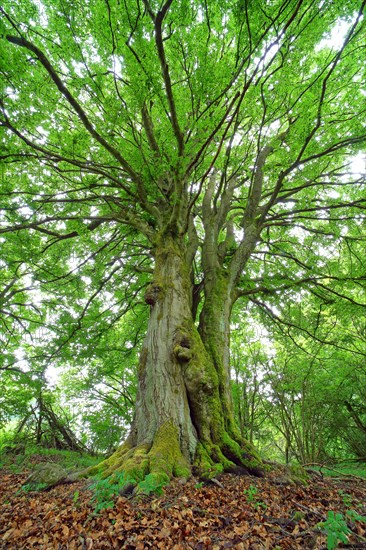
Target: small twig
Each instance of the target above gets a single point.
(215, 482)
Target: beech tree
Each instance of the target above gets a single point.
(205, 145)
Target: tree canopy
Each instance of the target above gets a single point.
(230, 129)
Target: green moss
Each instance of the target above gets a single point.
(136, 471)
(93, 471)
(109, 463)
(247, 455)
(203, 463)
(249, 451)
(182, 468)
(183, 354)
(200, 374)
(135, 463)
(218, 450)
(231, 448)
(155, 464)
(220, 458)
(298, 474)
(152, 483)
(165, 455)
(212, 459)
(209, 461)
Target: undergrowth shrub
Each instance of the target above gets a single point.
(106, 490)
(336, 527)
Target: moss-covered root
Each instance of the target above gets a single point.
(156, 463)
(212, 459)
(290, 474)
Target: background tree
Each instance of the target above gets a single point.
(310, 365)
(101, 386)
(208, 145)
(250, 360)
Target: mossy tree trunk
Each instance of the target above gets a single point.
(183, 415)
(214, 330)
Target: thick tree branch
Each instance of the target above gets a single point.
(54, 158)
(332, 68)
(149, 129)
(315, 281)
(158, 21)
(255, 192)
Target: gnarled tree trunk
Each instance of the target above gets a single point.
(183, 416)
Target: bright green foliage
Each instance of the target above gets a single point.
(348, 468)
(251, 495)
(152, 485)
(346, 499)
(16, 392)
(100, 387)
(106, 490)
(355, 516)
(335, 528)
(30, 487)
(299, 384)
(75, 499)
(17, 458)
(110, 124)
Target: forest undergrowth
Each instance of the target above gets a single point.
(240, 512)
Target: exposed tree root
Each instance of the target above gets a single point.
(148, 466)
(229, 456)
(157, 462)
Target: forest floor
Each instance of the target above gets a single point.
(240, 512)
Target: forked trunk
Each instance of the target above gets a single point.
(183, 412)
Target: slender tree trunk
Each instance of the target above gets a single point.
(360, 425)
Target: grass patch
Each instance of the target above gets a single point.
(19, 458)
(343, 468)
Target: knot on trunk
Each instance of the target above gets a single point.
(182, 347)
(152, 294)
